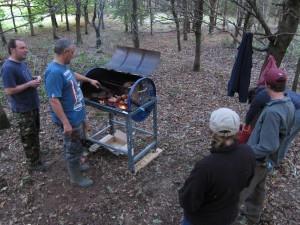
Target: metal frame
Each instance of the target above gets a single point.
(128, 124)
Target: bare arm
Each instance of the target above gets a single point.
(58, 110)
(86, 79)
(22, 87)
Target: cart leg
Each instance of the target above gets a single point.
(155, 125)
(111, 123)
(130, 153)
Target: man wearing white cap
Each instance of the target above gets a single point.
(271, 132)
(210, 195)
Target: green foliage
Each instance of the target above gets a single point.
(84, 61)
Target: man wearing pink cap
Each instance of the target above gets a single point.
(271, 130)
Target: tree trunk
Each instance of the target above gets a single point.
(239, 20)
(198, 18)
(296, 78)
(86, 16)
(13, 16)
(151, 16)
(53, 19)
(185, 19)
(98, 10)
(135, 26)
(102, 16)
(66, 13)
(212, 4)
(176, 20)
(224, 15)
(30, 19)
(77, 19)
(287, 28)
(3, 39)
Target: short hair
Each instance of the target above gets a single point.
(279, 86)
(61, 45)
(12, 44)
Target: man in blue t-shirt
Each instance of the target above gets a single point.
(21, 90)
(67, 106)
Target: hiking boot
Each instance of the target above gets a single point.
(76, 177)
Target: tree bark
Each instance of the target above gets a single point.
(176, 20)
(135, 26)
(239, 20)
(224, 15)
(30, 19)
(66, 14)
(185, 19)
(296, 78)
(53, 19)
(287, 28)
(77, 19)
(86, 16)
(151, 16)
(198, 18)
(13, 16)
(3, 39)
(212, 4)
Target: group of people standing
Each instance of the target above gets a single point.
(66, 103)
(223, 188)
(228, 186)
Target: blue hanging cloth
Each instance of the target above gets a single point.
(241, 71)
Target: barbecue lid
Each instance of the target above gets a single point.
(133, 60)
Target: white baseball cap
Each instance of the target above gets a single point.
(224, 122)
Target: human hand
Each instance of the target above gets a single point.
(95, 83)
(67, 129)
(34, 83)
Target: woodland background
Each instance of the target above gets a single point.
(197, 40)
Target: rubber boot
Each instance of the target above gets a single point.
(75, 175)
(84, 167)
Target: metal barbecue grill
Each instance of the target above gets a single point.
(129, 97)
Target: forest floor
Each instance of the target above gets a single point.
(186, 99)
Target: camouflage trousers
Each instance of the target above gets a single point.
(73, 147)
(29, 127)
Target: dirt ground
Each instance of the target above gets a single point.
(185, 100)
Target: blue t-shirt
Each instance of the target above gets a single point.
(60, 83)
(17, 73)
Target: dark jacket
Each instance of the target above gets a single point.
(210, 195)
(241, 71)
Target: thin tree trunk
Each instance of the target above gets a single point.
(135, 26)
(102, 16)
(176, 23)
(198, 14)
(66, 13)
(212, 15)
(13, 16)
(296, 78)
(224, 15)
(86, 16)
(3, 39)
(239, 20)
(30, 19)
(151, 16)
(185, 20)
(77, 19)
(53, 19)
